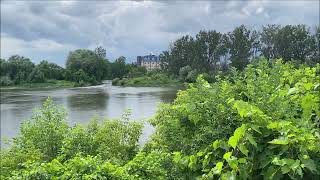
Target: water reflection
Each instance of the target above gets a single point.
(86, 100)
(105, 101)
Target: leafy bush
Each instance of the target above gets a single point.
(118, 140)
(5, 81)
(259, 123)
(192, 76)
(183, 72)
(45, 131)
(115, 81)
(76, 168)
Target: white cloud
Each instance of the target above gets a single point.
(11, 46)
(132, 28)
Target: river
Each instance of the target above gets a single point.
(83, 103)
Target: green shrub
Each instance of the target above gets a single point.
(192, 76)
(115, 81)
(259, 123)
(5, 81)
(118, 140)
(183, 73)
(45, 131)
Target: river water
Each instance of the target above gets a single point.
(105, 101)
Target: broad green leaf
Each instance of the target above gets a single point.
(256, 128)
(192, 161)
(309, 163)
(238, 133)
(230, 175)
(242, 160)
(271, 172)
(281, 141)
(216, 144)
(243, 149)
(251, 140)
(233, 163)
(285, 169)
(291, 91)
(217, 169)
(295, 165)
(227, 155)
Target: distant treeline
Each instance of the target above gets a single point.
(212, 51)
(208, 52)
(83, 66)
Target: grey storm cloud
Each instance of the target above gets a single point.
(50, 29)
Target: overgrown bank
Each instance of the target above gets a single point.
(47, 84)
(262, 123)
(150, 79)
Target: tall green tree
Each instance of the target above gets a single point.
(19, 68)
(208, 43)
(291, 42)
(294, 43)
(182, 53)
(92, 64)
(119, 67)
(268, 39)
(241, 41)
(51, 70)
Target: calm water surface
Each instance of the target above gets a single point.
(105, 101)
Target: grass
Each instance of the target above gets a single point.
(47, 84)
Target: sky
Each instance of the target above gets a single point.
(49, 30)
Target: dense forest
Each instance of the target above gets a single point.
(251, 111)
(208, 53)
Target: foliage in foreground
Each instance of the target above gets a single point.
(262, 123)
(259, 123)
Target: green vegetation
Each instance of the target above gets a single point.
(86, 67)
(83, 68)
(48, 84)
(259, 123)
(209, 52)
(213, 53)
(152, 78)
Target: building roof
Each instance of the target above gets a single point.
(151, 58)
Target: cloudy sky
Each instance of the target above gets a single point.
(50, 29)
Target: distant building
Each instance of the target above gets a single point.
(150, 62)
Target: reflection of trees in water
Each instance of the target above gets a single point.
(164, 96)
(168, 96)
(90, 101)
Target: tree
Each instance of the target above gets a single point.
(119, 67)
(36, 76)
(89, 62)
(294, 43)
(268, 39)
(208, 43)
(240, 43)
(291, 42)
(100, 52)
(315, 56)
(224, 51)
(51, 70)
(19, 68)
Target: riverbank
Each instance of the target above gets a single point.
(157, 80)
(47, 84)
